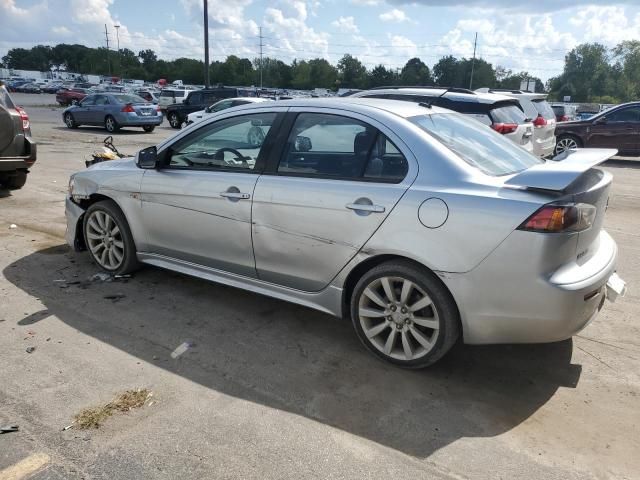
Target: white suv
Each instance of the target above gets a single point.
(536, 108)
(499, 112)
(169, 96)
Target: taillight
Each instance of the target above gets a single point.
(24, 117)
(158, 109)
(505, 127)
(564, 118)
(556, 218)
(128, 109)
(539, 121)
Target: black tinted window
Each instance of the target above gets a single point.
(631, 114)
(195, 99)
(508, 114)
(543, 108)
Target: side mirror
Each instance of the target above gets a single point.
(208, 110)
(148, 158)
(303, 144)
(600, 121)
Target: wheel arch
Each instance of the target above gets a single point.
(85, 204)
(363, 267)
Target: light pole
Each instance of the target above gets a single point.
(206, 43)
(117, 27)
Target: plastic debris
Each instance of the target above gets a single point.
(30, 349)
(67, 427)
(103, 277)
(9, 428)
(180, 349)
(13, 225)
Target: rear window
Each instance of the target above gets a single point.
(167, 93)
(544, 109)
(129, 99)
(558, 109)
(477, 145)
(5, 99)
(508, 114)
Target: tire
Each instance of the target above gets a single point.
(398, 332)
(149, 128)
(14, 181)
(110, 124)
(69, 121)
(99, 228)
(174, 121)
(565, 142)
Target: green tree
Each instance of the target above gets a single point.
(447, 72)
(415, 72)
(352, 73)
(380, 76)
(322, 73)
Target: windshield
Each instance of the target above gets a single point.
(476, 144)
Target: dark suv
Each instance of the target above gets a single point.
(618, 127)
(199, 100)
(17, 149)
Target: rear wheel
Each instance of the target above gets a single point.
(567, 142)
(110, 124)
(404, 314)
(14, 180)
(69, 121)
(174, 121)
(108, 238)
(149, 128)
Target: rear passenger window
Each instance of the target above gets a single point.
(343, 148)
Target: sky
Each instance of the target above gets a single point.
(519, 35)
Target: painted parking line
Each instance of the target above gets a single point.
(25, 468)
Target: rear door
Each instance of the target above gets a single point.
(619, 129)
(331, 185)
(10, 126)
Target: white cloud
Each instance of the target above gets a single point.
(608, 25)
(395, 16)
(365, 3)
(62, 31)
(345, 24)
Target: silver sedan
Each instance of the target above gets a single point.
(418, 224)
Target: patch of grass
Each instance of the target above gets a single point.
(125, 401)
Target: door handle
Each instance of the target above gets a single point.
(235, 195)
(363, 207)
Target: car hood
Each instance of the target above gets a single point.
(127, 163)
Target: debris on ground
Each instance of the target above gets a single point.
(183, 347)
(13, 225)
(124, 402)
(30, 349)
(9, 428)
(115, 297)
(102, 277)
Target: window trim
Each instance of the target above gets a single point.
(281, 142)
(261, 161)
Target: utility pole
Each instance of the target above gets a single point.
(206, 44)
(261, 57)
(473, 62)
(106, 36)
(117, 27)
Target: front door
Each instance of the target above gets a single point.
(198, 208)
(82, 112)
(618, 129)
(336, 180)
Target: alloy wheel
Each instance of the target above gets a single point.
(104, 240)
(565, 144)
(173, 121)
(398, 318)
(110, 124)
(68, 120)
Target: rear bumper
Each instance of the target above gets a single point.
(522, 305)
(544, 147)
(11, 164)
(135, 120)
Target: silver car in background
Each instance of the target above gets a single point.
(417, 223)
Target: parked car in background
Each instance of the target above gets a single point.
(13, 85)
(222, 105)
(51, 87)
(618, 128)
(197, 100)
(113, 111)
(17, 148)
(564, 112)
(171, 96)
(536, 108)
(503, 114)
(71, 96)
(585, 111)
(351, 207)
(148, 95)
(29, 88)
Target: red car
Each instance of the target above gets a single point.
(71, 96)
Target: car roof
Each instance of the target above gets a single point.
(453, 94)
(514, 93)
(360, 105)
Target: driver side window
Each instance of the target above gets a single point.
(230, 144)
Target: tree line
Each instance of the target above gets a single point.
(592, 72)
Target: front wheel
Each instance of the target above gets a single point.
(404, 314)
(174, 121)
(566, 142)
(108, 238)
(69, 121)
(149, 128)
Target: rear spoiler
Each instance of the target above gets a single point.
(562, 171)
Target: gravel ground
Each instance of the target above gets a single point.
(273, 390)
